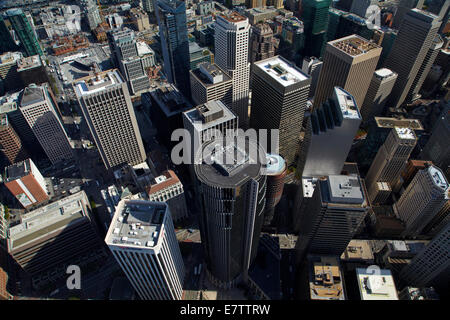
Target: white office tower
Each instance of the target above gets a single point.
(422, 200)
(39, 110)
(142, 239)
(391, 159)
(232, 32)
(333, 215)
(380, 88)
(279, 97)
(431, 266)
(415, 37)
(109, 113)
(333, 127)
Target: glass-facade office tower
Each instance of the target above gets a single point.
(171, 16)
(23, 30)
(279, 94)
(415, 37)
(233, 189)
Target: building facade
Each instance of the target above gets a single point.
(209, 82)
(143, 241)
(409, 50)
(380, 88)
(233, 197)
(279, 94)
(171, 16)
(232, 33)
(168, 188)
(349, 63)
(423, 199)
(106, 105)
(39, 109)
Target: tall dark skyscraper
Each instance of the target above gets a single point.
(314, 13)
(414, 39)
(18, 21)
(280, 91)
(233, 189)
(171, 16)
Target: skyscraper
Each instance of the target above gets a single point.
(349, 63)
(50, 238)
(171, 16)
(142, 239)
(380, 88)
(24, 31)
(39, 109)
(422, 200)
(209, 82)
(233, 191)
(409, 50)
(91, 13)
(437, 148)
(279, 94)
(314, 13)
(425, 68)
(261, 46)
(391, 158)
(332, 217)
(431, 266)
(232, 33)
(107, 108)
(333, 128)
(130, 64)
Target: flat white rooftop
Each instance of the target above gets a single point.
(405, 133)
(376, 284)
(137, 224)
(52, 217)
(345, 189)
(282, 71)
(347, 104)
(384, 73)
(98, 82)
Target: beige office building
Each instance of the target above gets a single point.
(348, 63)
(209, 82)
(380, 88)
(390, 160)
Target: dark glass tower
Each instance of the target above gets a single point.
(24, 31)
(171, 16)
(314, 13)
(233, 188)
